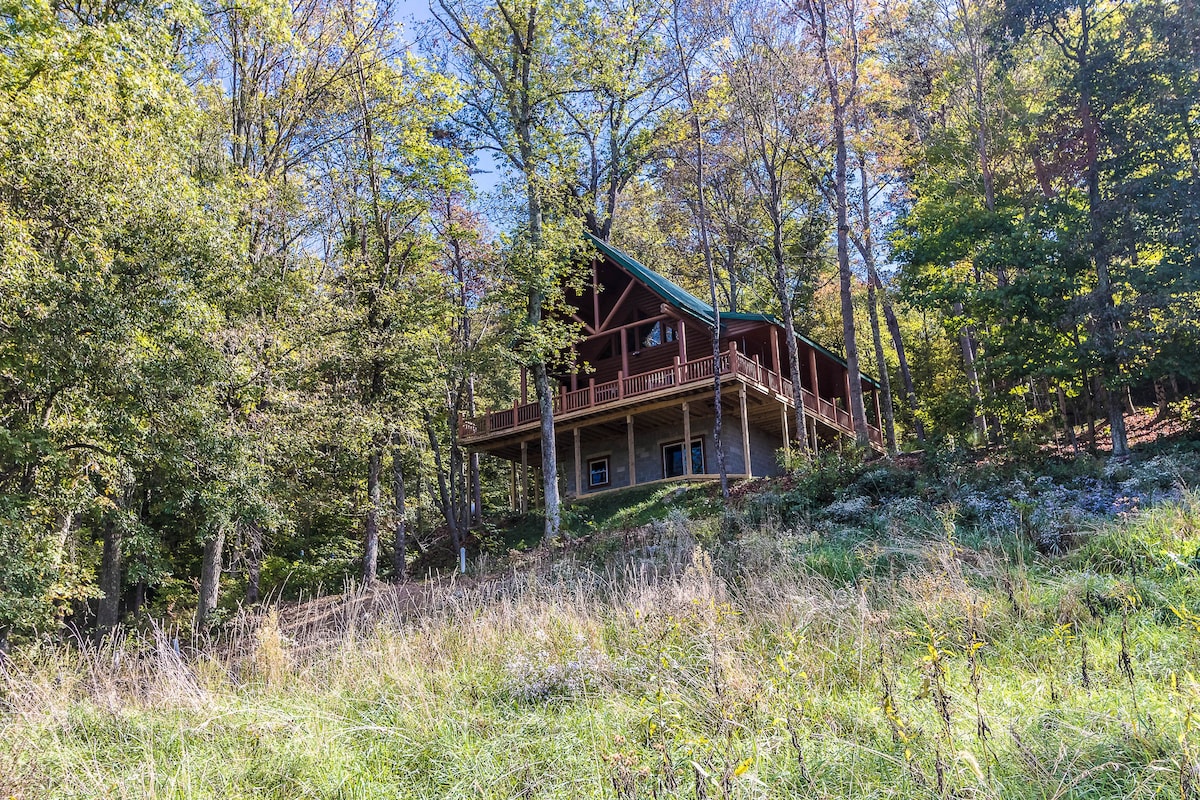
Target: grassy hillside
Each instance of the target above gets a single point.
(864, 631)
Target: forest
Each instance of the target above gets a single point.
(257, 259)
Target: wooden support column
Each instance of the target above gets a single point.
(512, 486)
(745, 431)
(524, 509)
(812, 367)
(846, 380)
(632, 455)
(682, 331)
(624, 351)
(775, 355)
(578, 464)
(787, 437)
(687, 440)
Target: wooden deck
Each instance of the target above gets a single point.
(627, 392)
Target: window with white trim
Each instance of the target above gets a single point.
(598, 472)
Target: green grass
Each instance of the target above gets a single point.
(780, 661)
(617, 510)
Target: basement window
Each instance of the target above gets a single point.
(598, 472)
(673, 458)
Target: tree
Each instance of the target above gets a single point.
(835, 30)
(514, 65)
(690, 33)
(772, 89)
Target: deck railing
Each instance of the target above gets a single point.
(596, 395)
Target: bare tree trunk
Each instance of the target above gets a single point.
(550, 498)
(841, 101)
(449, 506)
(893, 325)
(858, 411)
(210, 577)
(1104, 308)
(1069, 428)
(706, 248)
(473, 466)
(400, 543)
(787, 311)
(868, 254)
(108, 612)
(254, 556)
(967, 346)
(370, 564)
(885, 380)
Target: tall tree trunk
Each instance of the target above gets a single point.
(254, 555)
(476, 487)
(108, 612)
(210, 577)
(858, 411)
(1104, 308)
(841, 101)
(550, 497)
(885, 380)
(967, 346)
(706, 249)
(787, 311)
(868, 255)
(893, 326)
(449, 506)
(370, 563)
(1068, 426)
(541, 381)
(400, 543)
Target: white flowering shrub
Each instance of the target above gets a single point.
(850, 509)
(543, 676)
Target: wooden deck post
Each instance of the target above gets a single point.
(632, 456)
(678, 372)
(687, 440)
(512, 487)
(524, 478)
(846, 380)
(745, 431)
(787, 437)
(812, 367)
(775, 355)
(682, 341)
(733, 362)
(624, 334)
(578, 464)
(620, 384)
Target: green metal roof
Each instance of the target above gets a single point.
(684, 300)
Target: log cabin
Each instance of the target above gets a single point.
(637, 403)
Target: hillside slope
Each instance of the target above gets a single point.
(865, 631)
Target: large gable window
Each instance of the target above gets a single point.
(652, 334)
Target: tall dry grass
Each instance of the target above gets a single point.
(668, 669)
